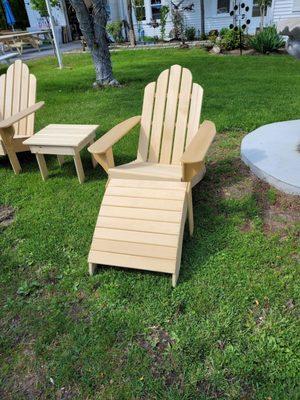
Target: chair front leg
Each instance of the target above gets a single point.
(190, 209)
(7, 135)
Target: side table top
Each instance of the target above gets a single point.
(62, 135)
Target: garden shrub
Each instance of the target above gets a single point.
(267, 40)
(150, 39)
(164, 11)
(230, 39)
(213, 35)
(190, 33)
(115, 30)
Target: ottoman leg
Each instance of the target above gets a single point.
(61, 160)
(94, 162)
(92, 268)
(42, 165)
(79, 168)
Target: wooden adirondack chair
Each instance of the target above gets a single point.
(172, 145)
(17, 108)
(142, 217)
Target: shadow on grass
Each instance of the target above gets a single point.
(212, 215)
(29, 164)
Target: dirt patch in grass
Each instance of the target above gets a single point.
(231, 179)
(239, 189)
(277, 220)
(158, 344)
(26, 381)
(280, 211)
(247, 226)
(7, 214)
(204, 387)
(77, 313)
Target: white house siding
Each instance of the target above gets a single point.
(116, 12)
(192, 18)
(283, 9)
(280, 9)
(38, 22)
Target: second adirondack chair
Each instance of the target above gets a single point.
(17, 108)
(172, 144)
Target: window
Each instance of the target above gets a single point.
(223, 6)
(256, 9)
(140, 10)
(155, 8)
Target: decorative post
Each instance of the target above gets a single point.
(240, 20)
(56, 45)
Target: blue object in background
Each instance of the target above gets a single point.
(10, 19)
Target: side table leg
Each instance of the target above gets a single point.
(94, 162)
(42, 165)
(61, 160)
(79, 168)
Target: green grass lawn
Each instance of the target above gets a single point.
(230, 329)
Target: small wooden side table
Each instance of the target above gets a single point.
(62, 140)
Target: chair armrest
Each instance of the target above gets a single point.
(20, 115)
(103, 144)
(197, 149)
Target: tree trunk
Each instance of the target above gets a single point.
(202, 16)
(93, 28)
(130, 24)
(262, 17)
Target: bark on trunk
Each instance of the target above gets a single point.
(93, 28)
(202, 22)
(131, 33)
(262, 17)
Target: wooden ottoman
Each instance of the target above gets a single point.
(140, 225)
(62, 140)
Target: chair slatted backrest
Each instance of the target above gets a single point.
(17, 92)
(170, 116)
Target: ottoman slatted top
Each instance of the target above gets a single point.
(62, 140)
(140, 225)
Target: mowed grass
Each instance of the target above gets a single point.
(229, 330)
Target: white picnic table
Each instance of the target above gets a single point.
(14, 39)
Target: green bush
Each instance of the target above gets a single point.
(213, 35)
(164, 11)
(230, 39)
(223, 32)
(190, 33)
(267, 40)
(115, 30)
(150, 39)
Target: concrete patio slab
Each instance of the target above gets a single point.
(273, 154)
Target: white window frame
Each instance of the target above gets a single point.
(223, 13)
(256, 5)
(145, 12)
(151, 7)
